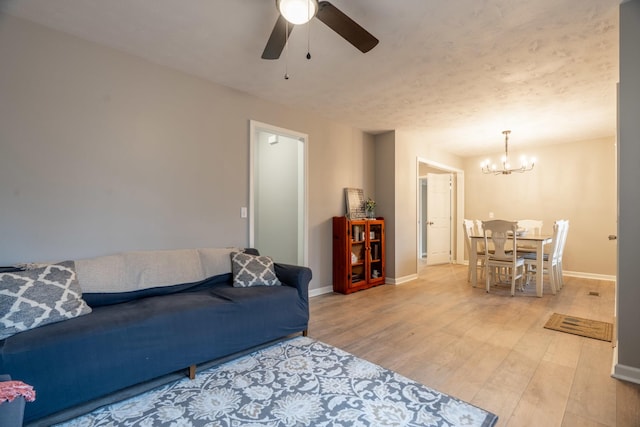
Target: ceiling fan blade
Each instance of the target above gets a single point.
(346, 27)
(277, 39)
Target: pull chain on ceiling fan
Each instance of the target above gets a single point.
(330, 15)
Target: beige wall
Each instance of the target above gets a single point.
(102, 152)
(575, 181)
(408, 147)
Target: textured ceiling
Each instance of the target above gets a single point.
(459, 71)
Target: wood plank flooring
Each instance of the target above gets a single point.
(488, 349)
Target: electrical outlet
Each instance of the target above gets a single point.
(490, 215)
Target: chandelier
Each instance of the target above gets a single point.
(506, 169)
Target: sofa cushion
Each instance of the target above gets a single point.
(127, 276)
(39, 296)
(252, 270)
(215, 261)
(136, 270)
(139, 270)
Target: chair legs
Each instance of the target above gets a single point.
(513, 280)
(553, 278)
(479, 268)
(554, 272)
(487, 277)
(560, 281)
(491, 273)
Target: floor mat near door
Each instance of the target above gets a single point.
(579, 326)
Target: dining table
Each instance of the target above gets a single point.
(537, 240)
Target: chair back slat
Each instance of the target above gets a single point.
(498, 232)
(563, 238)
(502, 264)
(468, 227)
(479, 228)
(556, 239)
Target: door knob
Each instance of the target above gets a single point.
(612, 237)
(430, 223)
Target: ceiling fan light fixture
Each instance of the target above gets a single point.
(298, 12)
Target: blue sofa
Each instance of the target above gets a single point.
(146, 333)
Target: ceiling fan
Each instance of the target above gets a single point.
(295, 12)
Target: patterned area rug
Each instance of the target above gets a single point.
(579, 326)
(299, 382)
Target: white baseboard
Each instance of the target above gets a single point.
(320, 291)
(584, 275)
(400, 280)
(623, 372)
(388, 281)
(580, 274)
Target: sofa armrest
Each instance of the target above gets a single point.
(295, 276)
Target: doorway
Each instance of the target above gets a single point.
(448, 243)
(278, 193)
(436, 218)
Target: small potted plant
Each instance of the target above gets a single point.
(13, 395)
(369, 207)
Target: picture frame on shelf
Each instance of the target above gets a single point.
(354, 200)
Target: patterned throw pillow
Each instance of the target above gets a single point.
(38, 296)
(252, 270)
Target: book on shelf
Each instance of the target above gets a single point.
(357, 232)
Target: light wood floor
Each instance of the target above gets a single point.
(488, 349)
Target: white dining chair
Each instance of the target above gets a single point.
(479, 232)
(529, 226)
(533, 226)
(551, 260)
(502, 262)
(563, 241)
(478, 223)
(468, 226)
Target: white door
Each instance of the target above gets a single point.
(438, 218)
